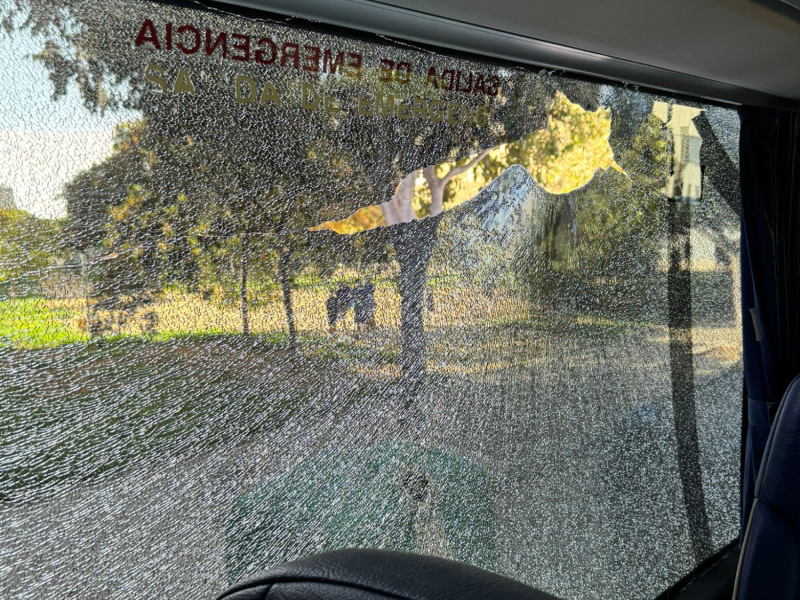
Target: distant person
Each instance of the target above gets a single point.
(344, 297)
(337, 306)
(332, 306)
(364, 296)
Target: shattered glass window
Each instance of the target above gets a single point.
(268, 290)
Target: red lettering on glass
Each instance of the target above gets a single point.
(222, 39)
(147, 33)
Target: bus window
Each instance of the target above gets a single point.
(268, 289)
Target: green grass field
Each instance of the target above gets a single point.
(73, 408)
(32, 323)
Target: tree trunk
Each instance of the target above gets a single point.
(413, 246)
(413, 243)
(437, 185)
(87, 287)
(400, 209)
(286, 291)
(243, 284)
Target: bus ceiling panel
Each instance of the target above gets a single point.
(737, 51)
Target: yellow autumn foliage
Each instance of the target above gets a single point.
(365, 218)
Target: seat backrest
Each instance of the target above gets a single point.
(769, 566)
(365, 574)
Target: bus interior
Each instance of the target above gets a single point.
(399, 299)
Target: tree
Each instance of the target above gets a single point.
(26, 244)
(562, 158)
(604, 238)
(569, 151)
(194, 238)
(437, 185)
(250, 156)
(221, 184)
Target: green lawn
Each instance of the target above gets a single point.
(72, 410)
(30, 323)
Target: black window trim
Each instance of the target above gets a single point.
(412, 26)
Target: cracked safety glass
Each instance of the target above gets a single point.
(267, 290)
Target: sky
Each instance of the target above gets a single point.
(44, 143)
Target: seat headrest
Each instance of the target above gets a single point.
(363, 574)
(769, 566)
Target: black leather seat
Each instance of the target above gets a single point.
(769, 566)
(379, 575)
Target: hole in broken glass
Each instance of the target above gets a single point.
(561, 158)
(415, 483)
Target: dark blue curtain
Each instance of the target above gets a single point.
(770, 254)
